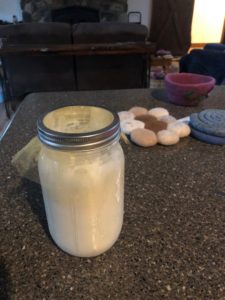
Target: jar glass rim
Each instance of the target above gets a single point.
(81, 140)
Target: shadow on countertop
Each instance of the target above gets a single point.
(159, 94)
(35, 200)
(4, 281)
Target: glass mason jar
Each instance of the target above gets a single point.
(81, 169)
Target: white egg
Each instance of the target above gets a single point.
(125, 115)
(158, 112)
(167, 137)
(181, 129)
(168, 119)
(128, 126)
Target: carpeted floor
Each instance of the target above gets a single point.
(158, 72)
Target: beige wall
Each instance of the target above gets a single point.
(208, 18)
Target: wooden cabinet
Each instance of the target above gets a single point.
(171, 25)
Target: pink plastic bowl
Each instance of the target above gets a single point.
(188, 89)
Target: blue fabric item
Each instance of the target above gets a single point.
(210, 139)
(209, 126)
(205, 62)
(209, 121)
(1, 94)
(214, 46)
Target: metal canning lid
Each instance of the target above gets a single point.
(78, 127)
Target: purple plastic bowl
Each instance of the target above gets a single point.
(188, 89)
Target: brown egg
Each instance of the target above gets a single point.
(138, 111)
(152, 123)
(143, 137)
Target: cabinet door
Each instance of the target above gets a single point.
(171, 25)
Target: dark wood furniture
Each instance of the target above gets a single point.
(122, 48)
(171, 25)
(82, 50)
(46, 57)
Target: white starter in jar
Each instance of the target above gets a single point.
(81, 169)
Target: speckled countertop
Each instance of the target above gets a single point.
(172, 243)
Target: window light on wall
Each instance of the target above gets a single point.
(208, 20)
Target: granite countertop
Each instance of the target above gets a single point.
(172, 244)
